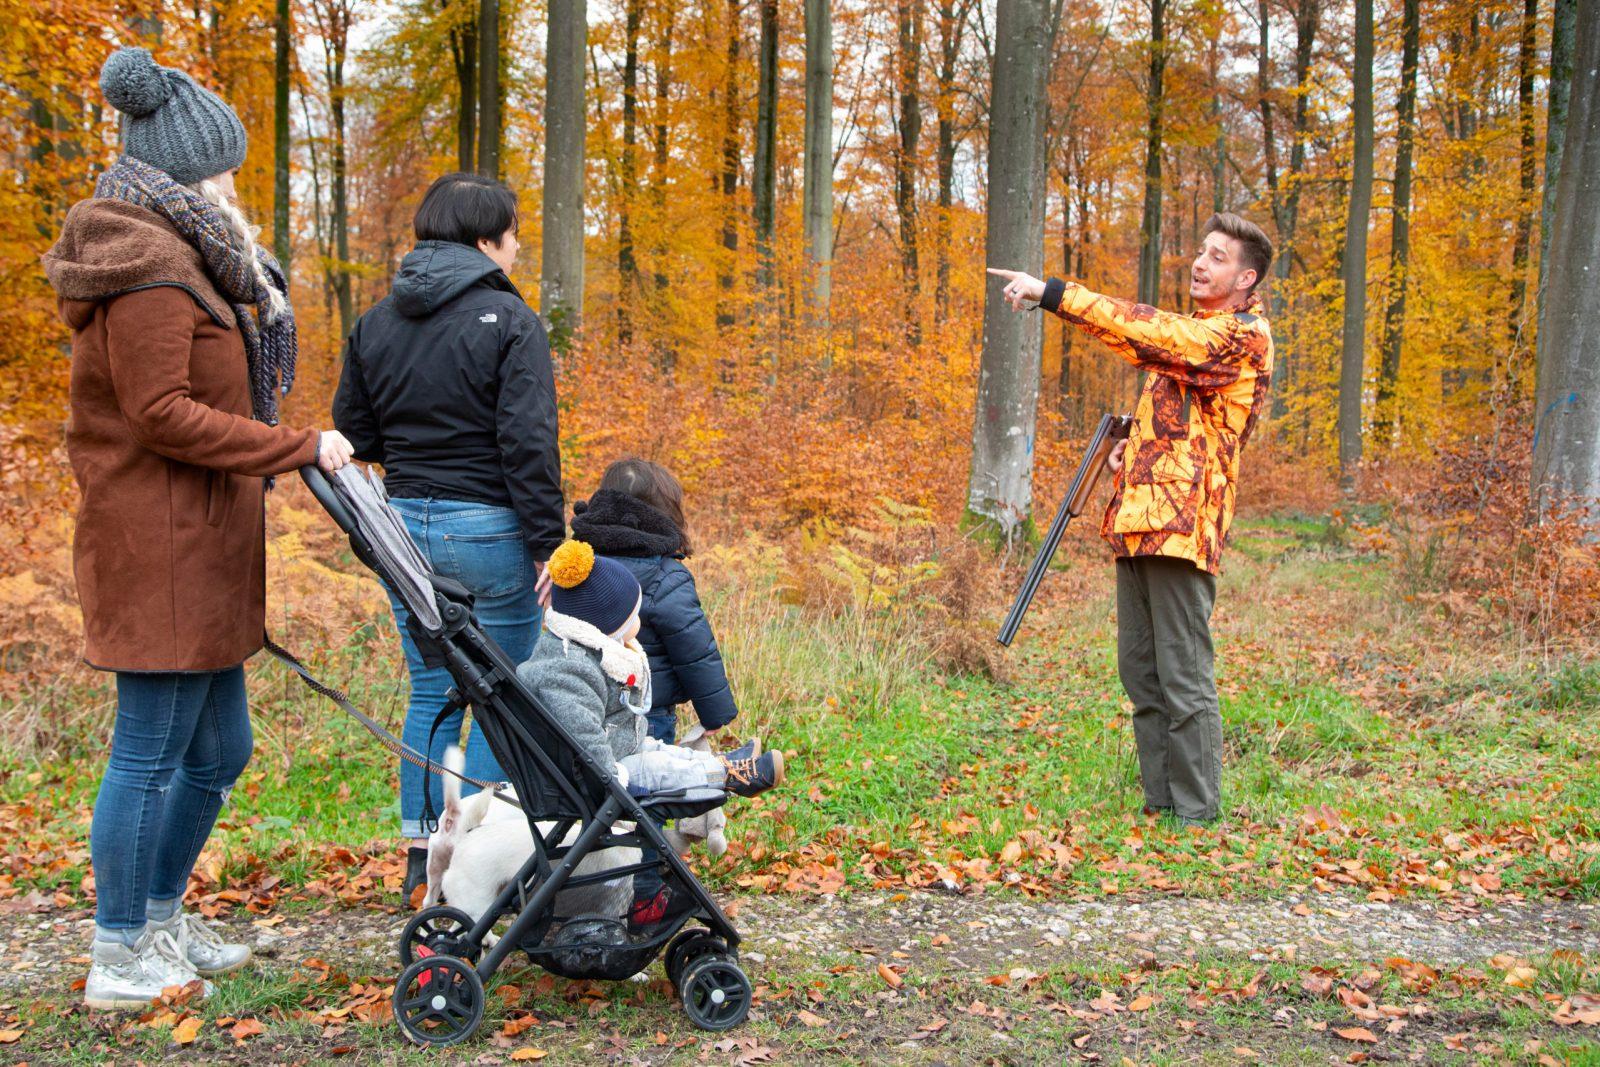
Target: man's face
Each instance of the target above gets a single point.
(1218, 276)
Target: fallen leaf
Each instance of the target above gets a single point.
(1141, 1003)
(8, 1037)
(187, 1029)
(810, 1019)
(528, 1052)
(247, 1028)
(1358, 1033)
(887, 973)
(1521, 977)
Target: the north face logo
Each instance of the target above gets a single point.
(488, 318)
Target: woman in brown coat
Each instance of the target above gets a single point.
(182, 339)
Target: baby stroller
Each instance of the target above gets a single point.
(565, 918)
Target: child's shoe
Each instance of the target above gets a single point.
(124, 977)
(668, 903)
(749, 750)
(201, 946)
(757, 774)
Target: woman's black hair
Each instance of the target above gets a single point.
(466, 208)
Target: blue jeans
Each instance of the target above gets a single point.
(181, 741)
(480, 546)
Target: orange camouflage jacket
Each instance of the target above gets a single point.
(1207, 384)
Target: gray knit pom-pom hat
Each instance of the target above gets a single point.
(169, 120)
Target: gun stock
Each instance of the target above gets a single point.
(1112, 428)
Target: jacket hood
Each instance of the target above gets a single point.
(436, 272)
(616, 524)
(109, 247)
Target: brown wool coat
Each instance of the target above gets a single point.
(170, 550)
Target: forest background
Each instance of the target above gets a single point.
(757, 229)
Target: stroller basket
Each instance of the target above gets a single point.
(568, 906)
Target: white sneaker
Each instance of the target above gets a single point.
(201, 947)
(123, 977)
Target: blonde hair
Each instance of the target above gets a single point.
(242, 233)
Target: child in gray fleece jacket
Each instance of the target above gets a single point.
(590, 673)
(594, 678)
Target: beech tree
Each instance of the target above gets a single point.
(1000, 485)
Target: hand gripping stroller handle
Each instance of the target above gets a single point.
(1112, 428)
(323, 490)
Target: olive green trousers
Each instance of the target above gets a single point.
(1164, 656)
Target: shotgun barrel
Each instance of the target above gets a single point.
(1112, 428)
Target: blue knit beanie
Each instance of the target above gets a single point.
(596, 589)
(169, 120)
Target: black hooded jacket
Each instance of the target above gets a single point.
(685, 664)
(447, 382)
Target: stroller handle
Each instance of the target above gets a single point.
(323, 490)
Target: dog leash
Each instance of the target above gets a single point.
(385, 738)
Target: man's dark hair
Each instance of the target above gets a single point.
(466, 208)
(1256, 246)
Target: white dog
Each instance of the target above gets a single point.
(482, 843)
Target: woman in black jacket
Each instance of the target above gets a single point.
(636, 516)
(447, 382)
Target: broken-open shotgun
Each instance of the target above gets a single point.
(1112, 428)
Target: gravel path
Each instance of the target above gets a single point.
(977, 934)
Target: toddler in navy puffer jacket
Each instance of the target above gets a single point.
(636, 517)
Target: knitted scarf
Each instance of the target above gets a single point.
(270, 345)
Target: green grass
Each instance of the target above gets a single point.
(1341, 710)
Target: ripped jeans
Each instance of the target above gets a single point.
(181, 741)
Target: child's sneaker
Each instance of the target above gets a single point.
(123, 977)
(747, 777)
(202, 948)
(749, 750)
(652, 911)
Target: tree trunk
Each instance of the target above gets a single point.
(464, 56)
(1394, 318)
(952, 26)
(999, 491)
(1561, 29)
(489, 88)
(1150, 231)
(1526, 204)
(1269, 140)
(561, 276)
(627, 267)
(817, 195)
(1566, 437)
(280, 137)
(908, 67)
(730, 171)
(765, 181)
(1307, 14)
(334, 18)
(660, 157)
(1354, 268)
(1219, 147)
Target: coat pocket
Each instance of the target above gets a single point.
(1161, 488)
(216, 497)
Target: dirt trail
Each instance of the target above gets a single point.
(985, 934)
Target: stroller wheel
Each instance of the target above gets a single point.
(716, 994)
(686, 948)
(442, 931)
(438, 1001)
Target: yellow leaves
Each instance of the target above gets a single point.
(188, 1029)
(10, 1037)
(529, 1052)
(890, 976)
(1358, 1033)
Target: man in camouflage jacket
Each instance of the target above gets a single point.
(1173, 503)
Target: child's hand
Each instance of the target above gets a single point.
(542, 586)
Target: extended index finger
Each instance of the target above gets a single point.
(1006, 274)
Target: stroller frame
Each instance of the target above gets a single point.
(439, 998)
